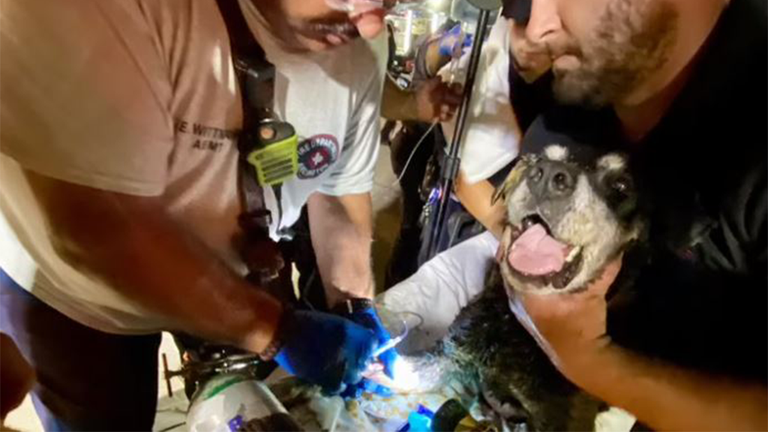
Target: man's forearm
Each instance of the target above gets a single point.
(666, 397)
(434, 60)
(342, 230)
(476, 198)
(131, 244)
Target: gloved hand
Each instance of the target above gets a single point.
(324, 349)
(364, 314)
(452, 40)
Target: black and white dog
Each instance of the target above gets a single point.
(570, 211)
(573, 205)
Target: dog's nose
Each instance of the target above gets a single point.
(551, 179)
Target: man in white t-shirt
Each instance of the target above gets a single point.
(510, 84)
(510, 89)
(118, 161)
(507, 89)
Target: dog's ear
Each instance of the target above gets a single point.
(519, 166)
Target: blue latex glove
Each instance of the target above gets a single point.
(452, 40)
(325, 349)
(365, 386)
(368, 318)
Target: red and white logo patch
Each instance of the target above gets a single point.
(316, 154)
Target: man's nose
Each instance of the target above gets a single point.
(543, 22)
(369, 23)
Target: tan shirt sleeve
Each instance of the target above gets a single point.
(85, 94)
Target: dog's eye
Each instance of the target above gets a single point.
(621, 185)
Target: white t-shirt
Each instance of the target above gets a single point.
(492, 134)
(140, 97)
(441, 287)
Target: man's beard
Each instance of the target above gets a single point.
(632, 40)
(299, 35)
(338, 27)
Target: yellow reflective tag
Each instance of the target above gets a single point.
(277, 162)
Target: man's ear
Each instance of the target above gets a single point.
(519, 166)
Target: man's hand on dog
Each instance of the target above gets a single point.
(569, 327)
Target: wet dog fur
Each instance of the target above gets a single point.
(486, 348)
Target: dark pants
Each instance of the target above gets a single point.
(410, 165)
(87, 379)
(300, 252)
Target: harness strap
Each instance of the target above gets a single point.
(255, 76)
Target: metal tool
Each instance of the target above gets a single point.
(390, 344)
(452, 160)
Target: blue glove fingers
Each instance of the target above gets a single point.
(330, 378)
(370, 319)
(372, 387)
(450, 40)
(365, 386)
(352, 391)
(468, 39)
(282, 359)
(358, 358)
(369, 386)
(387, 358)
(325, 349)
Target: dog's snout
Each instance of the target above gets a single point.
(551, 179)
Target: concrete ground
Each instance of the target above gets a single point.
(171, 410)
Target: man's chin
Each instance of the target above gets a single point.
(304, 44)
(313, 45)
(572, 90)
(324, 42)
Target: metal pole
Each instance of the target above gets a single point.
(452, 160)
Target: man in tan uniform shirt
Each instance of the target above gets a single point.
(119, 200)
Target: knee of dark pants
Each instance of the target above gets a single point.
(86, 379)
(16, 376)
(119, 393)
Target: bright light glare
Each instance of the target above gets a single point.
(408, 31)
(404, 375)
(434, 24)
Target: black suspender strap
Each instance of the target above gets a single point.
(254, 73)
(255, 76)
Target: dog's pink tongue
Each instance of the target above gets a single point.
(535, 253)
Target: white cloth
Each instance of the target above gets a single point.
(441, 287)
(140, 97)
(492, 135)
